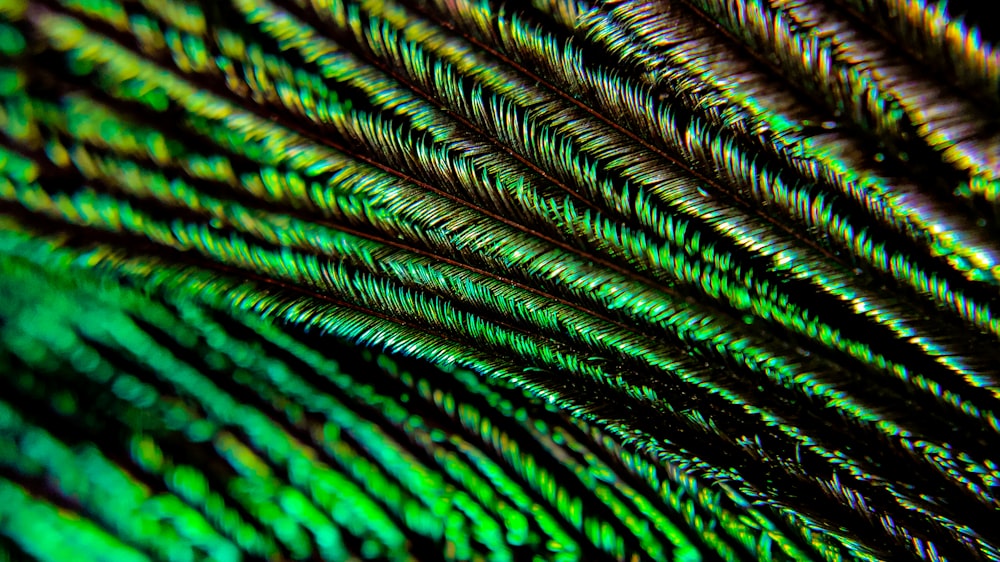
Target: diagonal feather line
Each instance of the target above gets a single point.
(797, 136)
(742, 424)
(140, 179)
(223, 213)
(536, 59)
(348, 425)
(893, 101)
(941, 36)
(530, 44)
(481, 291)
(172, 280)
(719, 270)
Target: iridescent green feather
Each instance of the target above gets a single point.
(673, 280)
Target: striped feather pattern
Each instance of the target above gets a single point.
(479, 279)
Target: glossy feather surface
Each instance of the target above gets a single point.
(483, 279)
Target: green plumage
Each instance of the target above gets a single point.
(677, 280)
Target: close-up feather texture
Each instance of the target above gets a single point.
(499, 280)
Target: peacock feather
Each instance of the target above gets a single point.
(499, 280)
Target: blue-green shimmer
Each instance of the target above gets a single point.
(481, 279)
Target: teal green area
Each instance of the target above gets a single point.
(496, 280)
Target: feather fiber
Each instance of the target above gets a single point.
(478, 279)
